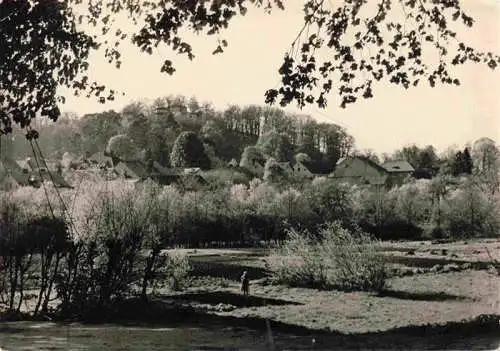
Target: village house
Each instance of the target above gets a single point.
(361, 170)
(101, 160)
(141, 173)
(25, 173)
(302, 171)
(399, 170)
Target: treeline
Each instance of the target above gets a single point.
(154, 128)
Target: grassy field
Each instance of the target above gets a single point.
(434, 293)
(430, 284)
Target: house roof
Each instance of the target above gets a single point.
(365, 159)
(58, 180)
(303, 164)
(10, 170)
(398, 166)
(285, 165)
(99, 157)
(23, 164)
(134, 169)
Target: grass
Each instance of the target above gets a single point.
(425, 297)
(430, 303)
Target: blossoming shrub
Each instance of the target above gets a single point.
(335, 258)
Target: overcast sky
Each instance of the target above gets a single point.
(394, 117)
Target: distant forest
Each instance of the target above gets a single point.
(153, 129)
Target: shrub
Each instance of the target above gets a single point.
(334, 259)
(176, 269)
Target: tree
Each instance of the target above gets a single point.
(369, 154)
(163, 131)
(122, 148)
(277, 145)
(427, 158)
(43, 47)
(462, 164)
(273, 173)
(213, 132)
(98, 128)
(188, 151)
(251, 157)
(138, 129)
(486, 155)
(468, 165)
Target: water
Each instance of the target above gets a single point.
(50, 336)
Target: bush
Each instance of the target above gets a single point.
(334, 259)
(177, 270)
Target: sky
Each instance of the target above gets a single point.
(440, 116)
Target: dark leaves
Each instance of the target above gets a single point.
(167, 67)
(381, 50)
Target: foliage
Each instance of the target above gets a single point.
(252, 158)
(392, 52)
(471, 212)
(122, 148)
(188, 151)
(276, 145)
(96, 130)
(218, 178)
(462, 164)
(273, 172)
(177, 270)
(335, 258)
(329, 201)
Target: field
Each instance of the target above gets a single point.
(431, 284)
(440, 296)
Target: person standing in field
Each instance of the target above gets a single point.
(245, 283)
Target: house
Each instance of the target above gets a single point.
(233, 163)
(360, 170)
(140, 172)
(101, 160)
(301, 170)
(177, 176)
(398, 170)
(131, 169)
(12, 174)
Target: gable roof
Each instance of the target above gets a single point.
(364, 159)
(11, 170)
(58, 180)
(398, 166)
(301, 164)
(134, 169)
